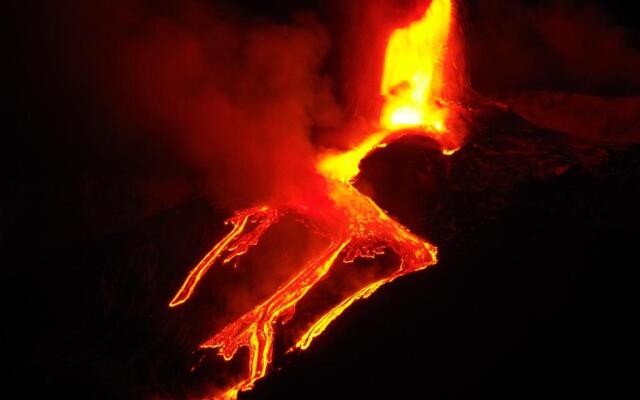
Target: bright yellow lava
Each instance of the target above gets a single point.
(413, 76)
(412, 84)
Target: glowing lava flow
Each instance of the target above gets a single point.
(412, 86)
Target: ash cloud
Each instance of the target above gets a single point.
(234, 98)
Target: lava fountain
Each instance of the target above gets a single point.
(417, 99)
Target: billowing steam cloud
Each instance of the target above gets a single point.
(240, 100)
(235, 99)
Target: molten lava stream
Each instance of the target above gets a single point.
(413, 87)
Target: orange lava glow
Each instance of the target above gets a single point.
(413, 77)
(411, 85)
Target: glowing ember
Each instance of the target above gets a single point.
(412, 86)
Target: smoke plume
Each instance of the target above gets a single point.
(235, 99)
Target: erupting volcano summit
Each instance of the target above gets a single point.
(415, 85)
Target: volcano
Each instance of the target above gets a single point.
(231, 230)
